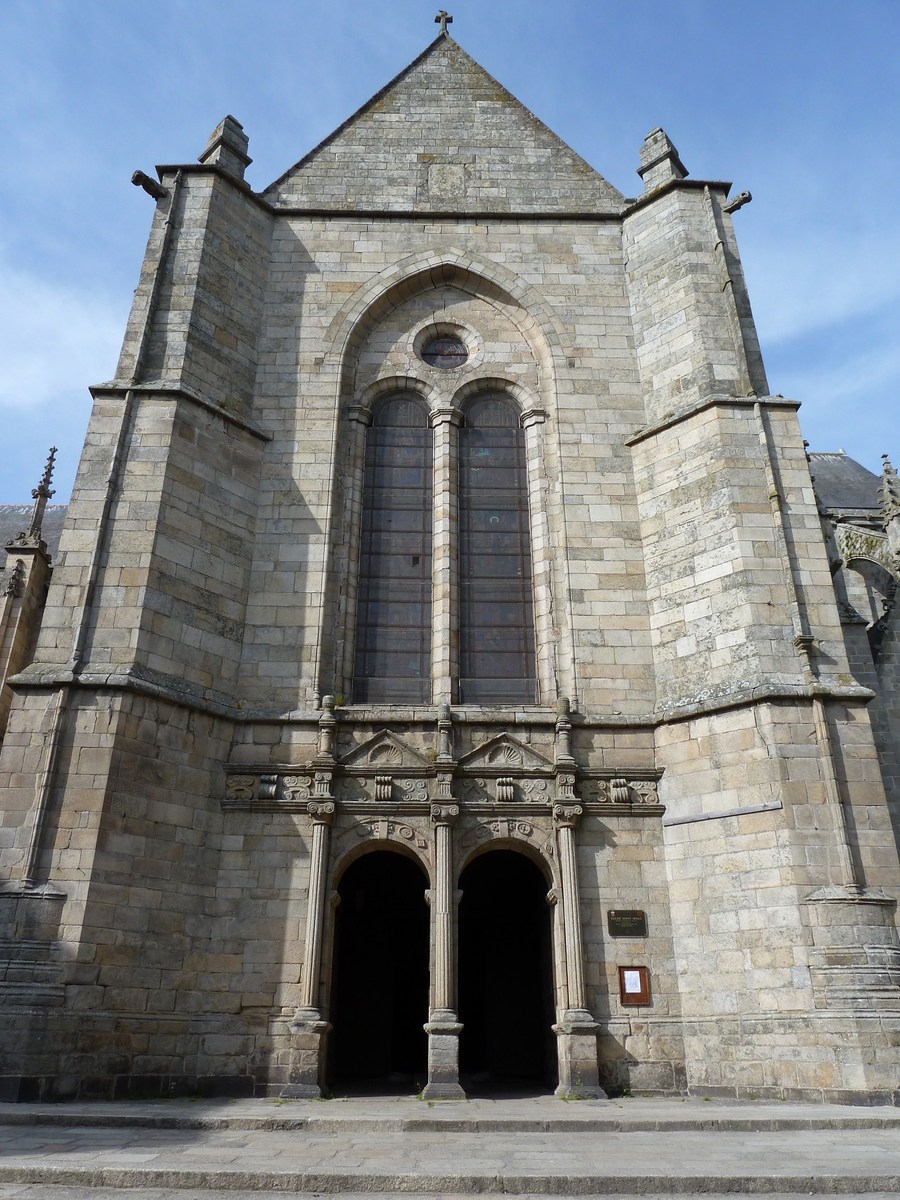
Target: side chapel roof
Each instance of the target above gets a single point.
(444, 136)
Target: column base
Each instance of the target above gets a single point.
(443, 1057)
(308, 1033)
(576, 1042)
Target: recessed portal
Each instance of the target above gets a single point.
(505, 976)
(380, 976)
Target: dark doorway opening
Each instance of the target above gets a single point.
(380, 977)
(505, 976)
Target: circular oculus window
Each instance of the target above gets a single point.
(444, 352)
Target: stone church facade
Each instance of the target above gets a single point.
(449, 673)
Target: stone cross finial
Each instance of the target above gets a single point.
(443, 20)
(42, 494)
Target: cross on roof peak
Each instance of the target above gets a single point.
(443, 19)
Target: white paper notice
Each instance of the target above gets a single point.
(633, 983)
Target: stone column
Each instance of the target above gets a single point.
(541, 554)
(577, 1030)
(309, 1027)
(445, 578)
(443, 1028)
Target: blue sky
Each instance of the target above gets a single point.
(795, 100)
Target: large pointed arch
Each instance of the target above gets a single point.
(349, 328)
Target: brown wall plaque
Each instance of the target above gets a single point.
(634, 985)
(626, 922)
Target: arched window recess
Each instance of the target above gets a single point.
(445, 520)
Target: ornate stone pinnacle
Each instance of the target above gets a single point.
(890, 505)
(443, 20)
(42, 494)
(890, 490)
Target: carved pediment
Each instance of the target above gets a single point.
(505, 754)
(385, 752)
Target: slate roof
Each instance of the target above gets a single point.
(14, 518)
(444, 136)
(844, 485)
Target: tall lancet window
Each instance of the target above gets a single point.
(393, 620)
(496, 640)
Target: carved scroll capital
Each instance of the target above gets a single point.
(566, 816)
(321, 812)
(444, 814)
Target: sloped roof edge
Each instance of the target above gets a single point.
(441, 39)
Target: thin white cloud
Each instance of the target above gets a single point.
(820, 277)
(54, 338)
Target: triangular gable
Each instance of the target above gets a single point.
(444, 136)
(385, 751)
(504, 753)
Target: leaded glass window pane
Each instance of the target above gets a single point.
(497, 664)
(393, 618)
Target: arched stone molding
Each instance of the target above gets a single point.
(369, 396)
(539, 849)
(452, 267)
(523, 397)
(410, 837)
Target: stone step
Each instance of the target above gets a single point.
(309, 1153)
(410, 1115)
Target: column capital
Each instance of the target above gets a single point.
(445, 414)
(359, 414)
(565, 816)
(321, 812)
(533, 416)
(444, 814)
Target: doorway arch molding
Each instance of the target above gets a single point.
(478, 839)
(410, 837)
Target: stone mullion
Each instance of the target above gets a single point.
(445, 573)
(360, 419)
(542, 579)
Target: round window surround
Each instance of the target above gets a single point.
(446, 352)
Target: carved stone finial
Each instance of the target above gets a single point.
(445, 734)
(42, 494)
(563, 747)
(327, 725)
(227, 148)
(659, 161)
(443, 19)
(890, 505)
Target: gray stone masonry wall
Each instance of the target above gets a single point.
(204, 330)
(683, 604)
(444, 136)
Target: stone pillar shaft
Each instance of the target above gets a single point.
(445, 582)
(443, 1029)
(541, 555)
(577, 1030)
(571, 917)
(308, 1027)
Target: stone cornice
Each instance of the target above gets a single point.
(110, 678)
(163, 390)
(676, 185)
(708, 402)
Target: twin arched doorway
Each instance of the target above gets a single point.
(380, 976)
